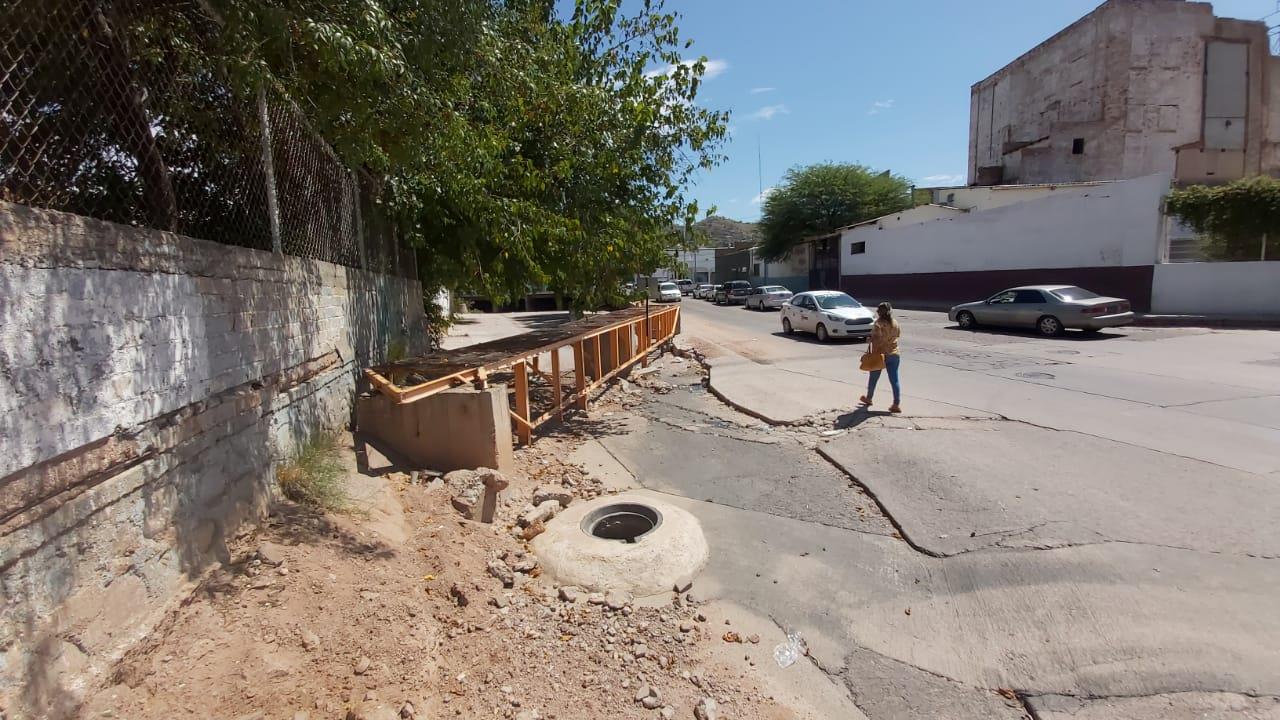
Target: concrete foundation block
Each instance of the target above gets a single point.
(452, 430)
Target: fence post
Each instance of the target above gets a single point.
(268, 169)
(359, 220)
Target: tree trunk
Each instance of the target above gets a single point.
(122, 100)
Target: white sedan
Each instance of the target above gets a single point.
(827, 314)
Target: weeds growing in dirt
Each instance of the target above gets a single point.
(314, 477)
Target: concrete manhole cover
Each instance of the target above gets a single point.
(625, 522)
(1037, 375)
(631, 542)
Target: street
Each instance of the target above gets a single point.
(1056, 527)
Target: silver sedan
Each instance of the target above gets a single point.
(767, 296)
(1050, 309)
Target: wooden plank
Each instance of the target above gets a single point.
(383, 385)
(416, 392)
(556, 390)
(642, 343)
(599, 367)
(580, 375)
(523, 430)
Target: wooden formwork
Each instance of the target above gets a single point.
(601, 346)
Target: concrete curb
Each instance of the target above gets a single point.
(693, 354)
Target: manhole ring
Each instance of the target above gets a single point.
(622, 522)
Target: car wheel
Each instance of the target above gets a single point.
(786, 326)
(1049, 326)
(822, 333)
(966, 321)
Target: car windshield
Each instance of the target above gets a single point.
(1074, 293)
(667, 286)
(773, 289)
(832, 302)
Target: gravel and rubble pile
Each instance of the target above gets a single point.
(434, 615)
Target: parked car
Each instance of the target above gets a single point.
(827, 314)
(686, 286)
(668, 292)
(1050, 309)
(767, 297)
(733, 292)
(703, 291)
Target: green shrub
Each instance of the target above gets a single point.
(314, 477)
(1234, 219)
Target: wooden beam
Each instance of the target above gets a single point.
(556, 390)
(523, 429)
(598, 367)
(431, 388)
(580, 375)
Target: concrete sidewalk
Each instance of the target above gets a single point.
(782, 396)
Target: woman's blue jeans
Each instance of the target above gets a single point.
(890, 365)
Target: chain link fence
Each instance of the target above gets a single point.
(110, 109)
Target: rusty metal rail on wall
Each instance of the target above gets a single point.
(602, 346)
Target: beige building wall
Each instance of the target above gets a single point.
(1121, 93)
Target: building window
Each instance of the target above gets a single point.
(951, 197)
(1077, 146)
(858, 248)
(755, 269)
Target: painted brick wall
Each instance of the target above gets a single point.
(149, 383)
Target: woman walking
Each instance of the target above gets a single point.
(884, 340)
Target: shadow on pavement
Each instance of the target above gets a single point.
(538, 322)
(1068, 336)
(813, 339)
(856, 417)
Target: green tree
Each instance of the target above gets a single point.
(513, 145)
(820, 198)
(1235, 219)
(517, 148)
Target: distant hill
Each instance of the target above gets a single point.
(720, 231)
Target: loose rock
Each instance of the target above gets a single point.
(362, 665)
(541, 513)
(569, 593)
(459, 595)
(616, 599)
(309, 640)
(543, 494)
(271, 554)
(706, 709)
(502, 571)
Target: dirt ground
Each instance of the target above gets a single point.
(392, 611)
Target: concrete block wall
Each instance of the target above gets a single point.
(149, 384)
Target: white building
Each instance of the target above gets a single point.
(1109, 237)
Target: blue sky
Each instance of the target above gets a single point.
(883, 83)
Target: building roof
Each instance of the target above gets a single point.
(1079, 183)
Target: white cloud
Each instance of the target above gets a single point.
(768, 112)
(758, 90)
(764, 194)
(879, 105)
(711, 68)
(944, 179)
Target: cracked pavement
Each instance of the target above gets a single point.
(1056, 529)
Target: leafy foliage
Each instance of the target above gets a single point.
(1234, 218)
(820, 198)
(515, 148)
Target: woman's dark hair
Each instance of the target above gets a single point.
(885, 311)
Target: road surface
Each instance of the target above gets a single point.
(1077, 527)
